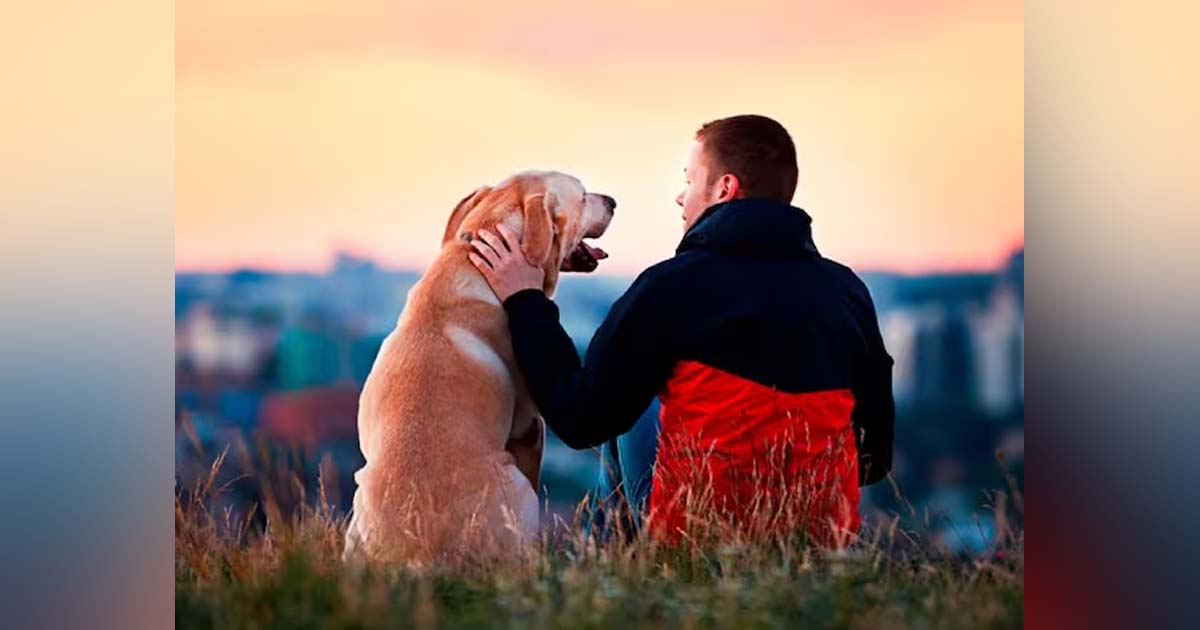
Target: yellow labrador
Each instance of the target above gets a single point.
(453, 442)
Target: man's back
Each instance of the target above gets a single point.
(748, 293)
(751, 340)
(771, 344)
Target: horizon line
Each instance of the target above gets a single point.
(329, 265)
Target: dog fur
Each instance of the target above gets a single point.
(452, 440)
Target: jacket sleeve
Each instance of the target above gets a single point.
(627, 362)
(874, 415)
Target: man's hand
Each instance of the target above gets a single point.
(503, 264)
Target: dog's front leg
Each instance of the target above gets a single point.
(527, 450)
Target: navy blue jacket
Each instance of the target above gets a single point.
(748, 294)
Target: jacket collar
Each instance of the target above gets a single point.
(761, 227)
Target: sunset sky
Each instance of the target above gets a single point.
(307, 127)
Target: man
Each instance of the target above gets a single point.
(766, 357)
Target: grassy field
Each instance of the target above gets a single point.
(230, 573)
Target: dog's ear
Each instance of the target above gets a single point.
(538, 236)
(461, 211)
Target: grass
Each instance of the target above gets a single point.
(232, 572)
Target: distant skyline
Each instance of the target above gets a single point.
(303, 128)
(998, 267)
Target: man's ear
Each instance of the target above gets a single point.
(538, 236)
(731, 187)
(461, 211)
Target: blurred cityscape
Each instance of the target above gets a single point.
(272, 363)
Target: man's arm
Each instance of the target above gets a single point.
(874, 415)
(626, 363)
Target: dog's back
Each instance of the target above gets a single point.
(452, 439)
(434, 416)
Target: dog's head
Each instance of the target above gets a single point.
(551, 211)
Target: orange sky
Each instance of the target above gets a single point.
(304, 127)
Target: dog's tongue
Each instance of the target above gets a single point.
(595, 252)
(584, 258)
